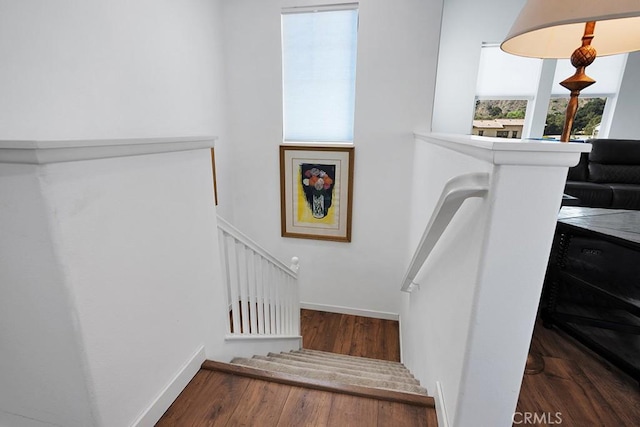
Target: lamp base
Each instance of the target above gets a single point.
(581, 58)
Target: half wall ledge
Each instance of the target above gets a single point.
(58, 151)
(502, 151)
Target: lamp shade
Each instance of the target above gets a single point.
(553, 28)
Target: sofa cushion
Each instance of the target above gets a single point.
(590, 194)
(625, 174)
(615, 151)
(625, 196)
(614, 161)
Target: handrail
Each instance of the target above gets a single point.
(455, 192)
(231, 230)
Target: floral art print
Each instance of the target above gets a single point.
(316, 184)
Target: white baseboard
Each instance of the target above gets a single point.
(171, 391)
(349, 310)
(441, 409)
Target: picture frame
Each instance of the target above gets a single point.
(316, 191)
(215, 181)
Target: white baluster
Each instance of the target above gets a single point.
(253, 292)
(222, 239)
(244, 300)
(260, 293)
(272, 300)
(234, 283)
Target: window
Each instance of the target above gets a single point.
(586, 122)
(319, 65)
(505, 85)
(502, 134)
(506, 76)
(499, 115)
(607, 71)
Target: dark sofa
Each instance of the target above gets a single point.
(608, 176)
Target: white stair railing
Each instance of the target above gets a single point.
(454, 193)
(262, 291)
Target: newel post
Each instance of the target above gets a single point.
(295, 264)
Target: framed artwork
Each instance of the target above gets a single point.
(316, 186)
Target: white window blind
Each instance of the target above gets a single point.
(502, 75)
(319, 69)
(606, 71)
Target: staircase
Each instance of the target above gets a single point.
(310, 387)
(339, 369)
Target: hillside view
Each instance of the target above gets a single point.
(587, 118)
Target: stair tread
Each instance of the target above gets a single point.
(289, 379)
(344, 370)
(347, 357)
(328, 375)
(338, 363)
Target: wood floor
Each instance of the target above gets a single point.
(218, 399)
(578, 385)
(352, 335)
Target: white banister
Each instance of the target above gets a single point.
(455, 192)
(262, 291)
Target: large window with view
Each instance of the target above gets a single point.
(505, 85)
(594, 114)
(514, 93)
(319, 68)
(501, 118)
(587, 120)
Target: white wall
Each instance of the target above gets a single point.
(122, 68)
(466, 24)
(625, 119)
(139, 261)
(41, 368)
(111, 282)
(468, 327)
(137, 239)
(435, 319)
(397, 45)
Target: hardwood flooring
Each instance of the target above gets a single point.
(216, 398)
(582, 388)
(576, 387)
(352, 335)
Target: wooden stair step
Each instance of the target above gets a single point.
(337, 363)
(330, 375)
(294, 380)
(338, 369)
(348, 358)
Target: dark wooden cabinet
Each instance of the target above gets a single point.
(592, 287)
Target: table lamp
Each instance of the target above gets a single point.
(553, 29)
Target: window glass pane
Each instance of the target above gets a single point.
(503, 118)
(319, 64)
(586, 123)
